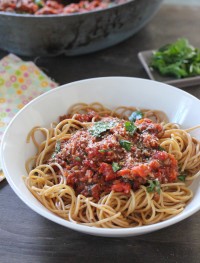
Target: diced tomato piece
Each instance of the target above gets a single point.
(124, 172)
(121, 187)
(174, 168)
(147, 125)
(107, 171)
(82, 117)
(71, 179)
(173, 160)
(86, 117)
(149, 140)
(96, 191)
(173, 176)
(142, 170)
(162, 156)
(154, 164)
(144, 120)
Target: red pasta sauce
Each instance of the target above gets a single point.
(114, 154)
(53, 7)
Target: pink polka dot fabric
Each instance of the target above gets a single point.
(20, 82)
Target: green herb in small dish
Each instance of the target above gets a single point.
(179, 59)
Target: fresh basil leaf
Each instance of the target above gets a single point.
(154, 186)
(78, 159)
(39, 3)
(115, 167)
(99, 127)
(151, 186)
(125, 144)
(179, 59)
(57, 147)
(136, 115)
(130, 127)
(182, 176)
(161, 149)
(104, 150)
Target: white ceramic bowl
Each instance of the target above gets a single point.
(180, 107)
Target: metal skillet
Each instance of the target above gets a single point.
(74, 34)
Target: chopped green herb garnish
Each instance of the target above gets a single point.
(178, 59)
(57, 148)
(78, 158)
(136, 115)
(161, 148)
(182, 176)
(100, 127)
(125, 144)
(130, 127)
(104, 150)
(39, 3)
(154, 186)
(115, 167)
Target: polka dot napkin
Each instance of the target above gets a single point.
(20, 82)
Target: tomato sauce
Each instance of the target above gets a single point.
(53, 7)
(114, 154)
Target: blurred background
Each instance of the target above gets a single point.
(182, 2)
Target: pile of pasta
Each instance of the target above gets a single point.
(113, 210)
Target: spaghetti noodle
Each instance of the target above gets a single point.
(113, 168)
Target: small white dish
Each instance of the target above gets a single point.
(180, 107)
(145, 57)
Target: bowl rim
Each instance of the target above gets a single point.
(115, 232)
(4, 13)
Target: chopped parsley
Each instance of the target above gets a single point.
(99, 127)
(39, 3)
(104, 150)
(130, 127)
(154, 186)
(115, 167)
(78, 159)
(136, 115)
(182, 176)
(178, 59)
(125, 144)
(161, 148)
(57, 148)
